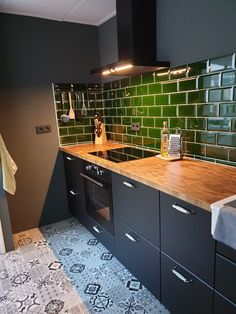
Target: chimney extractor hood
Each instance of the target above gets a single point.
(136, 35)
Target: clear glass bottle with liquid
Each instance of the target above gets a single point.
(164, 140)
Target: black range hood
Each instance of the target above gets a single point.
(136, 35)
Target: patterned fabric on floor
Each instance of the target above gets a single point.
(62, 268)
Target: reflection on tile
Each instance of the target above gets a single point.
(208, 81)
(207, 110)
(222, 63)
(229, 78)
(226, 139)
(217, 152)
(228, 110)
(206, 137)
(223, 94)
(218, 124)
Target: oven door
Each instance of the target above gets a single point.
(99, 201)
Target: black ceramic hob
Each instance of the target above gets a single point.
(123, 154)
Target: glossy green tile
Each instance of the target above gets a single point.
(234, 93)
(117, 120)
(187, 110)
(197, 97)
(136, 80)
(206, 137)
(153, 132)
(136, 101)
(229, 78)
(162, 99)
(137, 140)
(155, 88)
(148, 122)
(136, 119)
(118, 137)
(194, 149)
(125, 102)
(127, 139)
(225, 162)
(142, 111)
(178, 123)
(217, 152)
(108, 120)
(59, 113)
(63, 131)
(112, 112)
(222, 63)
(186, 85)
(120, 111)
(148, 100)
(178, 98)
(120, 93)
(169, 87)
(126, 120)
(115, 84)
(223, 94)
(197, 68)
(125, 82)
(232, 155)
(218, 124)
(208, 81)
(228, 110)
(226, 139)
(159, 122)
(162, 75)
(142, 90)
(196, 123)
(131, 111)
(154, 111)
(107, 86)
(130, 91)
(68, 139)
(59, 105)
(169, 111)
(89, 129)
(148, 77)
(178, 72)
(76, 130)
(143, 132)
(207, 110)
(233, 128)
(149, 142)
(188, 136)
(116, 103)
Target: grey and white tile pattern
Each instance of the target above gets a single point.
(62, 268)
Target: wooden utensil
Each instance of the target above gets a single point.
(71, 111)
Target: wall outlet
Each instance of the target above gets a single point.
(135, 126)
(43, 129)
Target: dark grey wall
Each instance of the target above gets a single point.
(187, 31)
(33, 54)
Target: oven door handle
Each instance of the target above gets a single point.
(92, 180)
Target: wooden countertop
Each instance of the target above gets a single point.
(198, 182)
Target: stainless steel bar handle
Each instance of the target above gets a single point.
(130, 237)
(181, 277)
(69, 158)
(129, 185)
(182, 210)
(95, 228)
(73, 192)
(92, 180)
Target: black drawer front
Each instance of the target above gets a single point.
(187, 238)
(193, 297)
(141, 257)
(226, 251)
(223, 306)
(73, 167)
(100, 233)
(138, 207)
(225, 278)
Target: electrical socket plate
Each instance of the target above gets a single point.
(43, 129)
(135, 126)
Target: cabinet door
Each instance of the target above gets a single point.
(181, 292)
(139, 256)
(74, 186)
(137, 205)
(226, 251)
(225, 277)
(186, 237)
(223, 306)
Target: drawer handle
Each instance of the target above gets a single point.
(181, 277)
(70, 158)
(73, 193)
(129, 185)
(130, 237)
(95, 228)
(182, 210)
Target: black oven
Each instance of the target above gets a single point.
(98, 195)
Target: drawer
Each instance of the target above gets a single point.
(73, 167)
(137, 205)
(181, 291)
(226, 251)
(222, 305)
(185, 236)
(100, 233)
(139, 256)
(225, 277)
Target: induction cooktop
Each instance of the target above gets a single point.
(123, 154)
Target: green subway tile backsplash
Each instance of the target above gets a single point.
(199, 98)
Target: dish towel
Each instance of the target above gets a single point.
(8, 168)
(224, 229)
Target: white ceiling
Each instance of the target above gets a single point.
(93, 12)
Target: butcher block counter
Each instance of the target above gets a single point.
(197, 182)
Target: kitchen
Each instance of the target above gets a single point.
(38, 52)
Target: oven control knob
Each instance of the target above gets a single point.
(101, 172)
(88, 167)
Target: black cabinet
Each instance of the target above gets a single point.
(137, 205)
(222, 305)
(75, 186)
(185, 236)
(181, 291)
(139, 256)
(226, 251)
